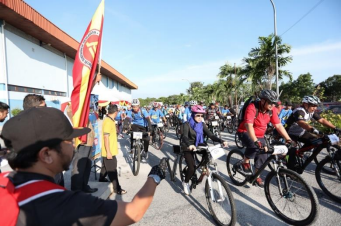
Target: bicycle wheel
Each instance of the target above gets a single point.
(217, 134)
(233, 161)
(183, 170)
(230, 128)
(177, 131)
(166, 127)
(223, 209)
(323, 154)
(158, 140)
(239, 143)
(329, 183)
(298, 204)
(136, 160)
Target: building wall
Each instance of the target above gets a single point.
(36, 67)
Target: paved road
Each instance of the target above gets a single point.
(171, 207)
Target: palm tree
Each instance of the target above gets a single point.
(260, 65)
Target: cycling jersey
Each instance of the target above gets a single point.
(225, 111)
(187, 114)
(284, 115)
(297, 115)
(128, 113)
(138, 119)
(165, 111)
(211, 113)
(260, 123)
(118, 117)
(155, 115)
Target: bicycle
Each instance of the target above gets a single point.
(238, 141)
(213, 126)
(168, 123)
(328, 171)
(178, 128)
(158, 135)
(217, 191)
(287, 193)
(137, 150)
(228, 124)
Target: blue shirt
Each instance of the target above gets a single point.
(225, 111)
(138, 119)
(187, 114)
(128, 113)
(118, 117)
(284, 115)
(155, 115)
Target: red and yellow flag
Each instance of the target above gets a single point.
(84, 69)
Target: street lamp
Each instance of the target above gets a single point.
(186, 80)
(277, 88)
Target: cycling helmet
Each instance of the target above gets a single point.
(193, 102)
(198, 109)
(269, 95)
(135, 102)
(311, 100)
(186, 103)
(155, 105)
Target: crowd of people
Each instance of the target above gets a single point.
(40, 146)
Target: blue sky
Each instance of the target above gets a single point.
(158, 43)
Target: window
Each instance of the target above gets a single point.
(110, 83)
(54, 93)
(24, 89)
(105, 80)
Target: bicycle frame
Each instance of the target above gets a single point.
(317, 149)
(251, 179)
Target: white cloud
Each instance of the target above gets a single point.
(175, 82)
(320, 60)
(316, 48)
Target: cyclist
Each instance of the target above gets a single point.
(140, 123)
(298, 126)
(212, 111)
(155, 115)
(285, 112)
(225, 112)
(187, 114)
(252, 129)
(165, 110)
(193, 134)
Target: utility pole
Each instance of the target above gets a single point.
(277, 88)
(235, 90)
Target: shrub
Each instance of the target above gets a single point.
(335, 119)
(16, 111)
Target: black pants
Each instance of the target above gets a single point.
(81, 168)
(109, 167)
(306, 138)
(251, 150)
(189, 157)
(145, 138)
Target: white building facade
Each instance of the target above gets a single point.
(42, 64)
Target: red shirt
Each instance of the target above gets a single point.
(259, 123)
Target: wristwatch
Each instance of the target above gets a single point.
(156, 178)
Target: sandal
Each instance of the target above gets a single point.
(121, 192)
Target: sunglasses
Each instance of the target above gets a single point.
(199, 116)
(271, 103)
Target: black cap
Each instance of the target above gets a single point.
(38, 127)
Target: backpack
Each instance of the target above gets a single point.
(14, 197)
(253, 100)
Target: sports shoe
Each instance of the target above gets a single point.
(186, 188)
(259, 183)
(245, 168)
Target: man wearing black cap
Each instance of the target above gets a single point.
(40, 143)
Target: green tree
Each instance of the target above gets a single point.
(332, 88)
(261, 64)
(195, 87)
(297, 89)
